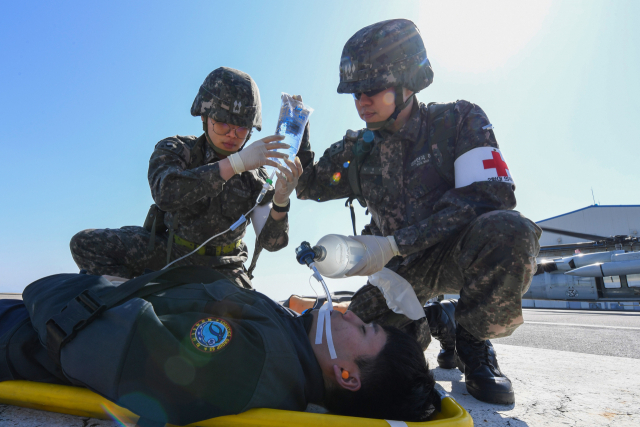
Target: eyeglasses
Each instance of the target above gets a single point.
(223, 129)
(369, 94)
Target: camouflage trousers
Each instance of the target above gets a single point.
(490, 264)
(123, 252)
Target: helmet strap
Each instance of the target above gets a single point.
(400, 105)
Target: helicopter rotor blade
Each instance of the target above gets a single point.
(577, 235)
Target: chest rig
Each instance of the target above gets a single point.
(439, 140)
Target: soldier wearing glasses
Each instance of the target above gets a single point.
(201, 186)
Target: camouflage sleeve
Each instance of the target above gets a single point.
(327, 179)
(173, 185)
(371, 229)
(458, 207)
(304, 152)
(275, 234)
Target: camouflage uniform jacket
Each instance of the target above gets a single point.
(405, 194)
(185, 181)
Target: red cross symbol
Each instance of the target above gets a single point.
(497, 163)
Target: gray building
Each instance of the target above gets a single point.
(595, 220)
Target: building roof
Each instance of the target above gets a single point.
(599, 220)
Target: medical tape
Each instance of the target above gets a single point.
(324, 316)
(324, 319)
(332, 350)
(320, 325)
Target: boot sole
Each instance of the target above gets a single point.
(451, 365)
(500, 398)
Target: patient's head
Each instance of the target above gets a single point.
(380, 371)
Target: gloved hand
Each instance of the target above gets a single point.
(287, 181)
(259, 153)
(380, 250)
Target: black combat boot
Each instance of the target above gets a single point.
(442, 325)
(477, 359)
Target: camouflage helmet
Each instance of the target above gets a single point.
(229, 96)
(386, 54)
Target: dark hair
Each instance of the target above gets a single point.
(395, 385)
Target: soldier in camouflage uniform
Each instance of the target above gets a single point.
(201, 187)
(441, 200)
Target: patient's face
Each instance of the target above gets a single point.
(352, 338)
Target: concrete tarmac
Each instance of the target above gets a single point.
(605, 333)
(568, 368)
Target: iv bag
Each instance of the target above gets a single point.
(294, 116)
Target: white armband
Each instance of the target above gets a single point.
(481, 164)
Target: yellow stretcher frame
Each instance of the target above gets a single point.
(83, 402)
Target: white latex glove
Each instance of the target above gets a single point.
(287, 181)
(257, 154)
(380, 250)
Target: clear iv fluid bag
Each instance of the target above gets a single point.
(294, 116)
(342, 254)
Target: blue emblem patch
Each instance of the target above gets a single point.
(211, 334)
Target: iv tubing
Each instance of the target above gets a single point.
(235, 225)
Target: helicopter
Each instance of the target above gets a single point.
(601, 269)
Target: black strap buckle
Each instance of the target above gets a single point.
(78, 313)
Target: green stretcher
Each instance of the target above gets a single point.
(84, 403)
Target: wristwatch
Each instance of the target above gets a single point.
(278, 208)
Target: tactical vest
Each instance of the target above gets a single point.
(438, 143)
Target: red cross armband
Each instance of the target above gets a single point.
(481, 164)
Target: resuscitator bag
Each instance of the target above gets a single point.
(400, 296)
(294, 116)
(342, 253)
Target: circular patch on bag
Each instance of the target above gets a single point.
(211, 334)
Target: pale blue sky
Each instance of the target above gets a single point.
(88, 88)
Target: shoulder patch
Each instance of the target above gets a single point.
(352, 135)
(173, 144)
(179, 145)
(168, 144)
(211, 334)
(336, 148)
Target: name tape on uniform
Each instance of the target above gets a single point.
(481, 164)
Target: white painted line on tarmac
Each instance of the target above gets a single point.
(581, 325)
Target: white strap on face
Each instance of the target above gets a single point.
(481, 164)
(324, 319)
(320, 325)
(393, 423)
(324, 315)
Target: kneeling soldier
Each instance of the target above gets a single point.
(201, 186)
(441, 197)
